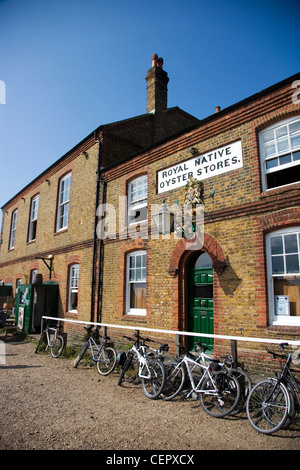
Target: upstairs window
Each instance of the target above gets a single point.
(283, 257)
(137, 200)
(34, 208)
(63, 202)
(280, 153)
(13, 228)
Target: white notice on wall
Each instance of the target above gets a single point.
(207, 165)
(282, 305)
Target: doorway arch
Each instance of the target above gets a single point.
(183, 258)
(200, 302)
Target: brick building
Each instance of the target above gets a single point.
(240, 275)
(49, 226)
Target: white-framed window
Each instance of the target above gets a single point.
(13, 228)
(33, 273)
(283, 269)
(63, 202)
(136, 283)
(73, 288)
(280, 153)
(34, 208)
(137, 200)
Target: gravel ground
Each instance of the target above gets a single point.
(47, 404)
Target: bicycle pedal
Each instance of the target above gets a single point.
(92, 364)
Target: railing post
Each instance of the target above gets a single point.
(234, 352)
(177, 345)
(137, 335)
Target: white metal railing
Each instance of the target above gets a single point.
(180, 333)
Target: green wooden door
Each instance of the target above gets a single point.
(201, 306)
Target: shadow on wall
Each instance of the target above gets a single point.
(229, 281)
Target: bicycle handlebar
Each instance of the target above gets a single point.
(274, 354)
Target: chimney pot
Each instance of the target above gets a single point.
(154, 60)
(218, 109)
(160, 62)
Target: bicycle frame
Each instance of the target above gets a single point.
(92, 343)
(54, 330)
(143, 362)
(287, 376)
(187, 361)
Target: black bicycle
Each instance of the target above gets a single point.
(274, 402)
(104, 356)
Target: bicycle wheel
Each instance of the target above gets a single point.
(245, 388)
(221, 394)
(293, 405)
(57, 347)
(153, 386)
(42, 342)
(175, 378)
(81, 354)
(268, 406)
(129, 371)
(106, 361)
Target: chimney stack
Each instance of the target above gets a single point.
(157, 81)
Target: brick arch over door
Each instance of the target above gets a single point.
(209, 244)
(178, 268)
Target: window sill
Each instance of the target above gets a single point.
(72, 314)
(280, 190)
(285, 329)
(134, 318)
(63, 230)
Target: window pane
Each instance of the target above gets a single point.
(283, 145)
(277, 265)
(73, 301)
(270, 150)
(268, 136)
(285, 159)
(296, 156)
(271, 163)
(295, 141)
(138, 295)
(276, 245)
(138, 261)
(292, 264)
(281, 132)
(290, 243)
(138, 274)
(295, 127)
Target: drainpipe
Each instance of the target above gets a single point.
(95, 228)
(101, 258)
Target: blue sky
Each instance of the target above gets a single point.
(71, 65)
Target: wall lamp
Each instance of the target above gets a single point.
(164, 220)
(47, 259)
